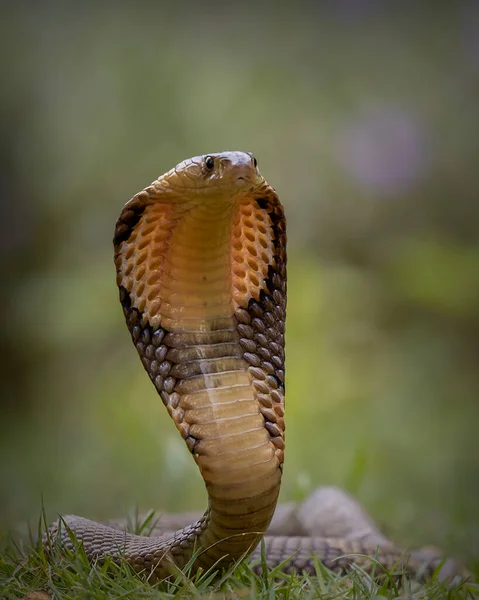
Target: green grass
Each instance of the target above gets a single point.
(64, 575)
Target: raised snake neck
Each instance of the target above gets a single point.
(200, 256)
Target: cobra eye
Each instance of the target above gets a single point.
(255, 162)
(210, 162)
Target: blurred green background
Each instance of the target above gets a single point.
(364, 115)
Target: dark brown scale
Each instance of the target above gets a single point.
(269, 319)
(277, 361)
(272, 382)
(264, 353)
(265, 400)
(245, 331)
(164, 368)
(255, 309)
(260, 339)
(258, 325)
(278, 441)
(153, 367)
(248, 345)
(275, 347)
(157, 337)
(273, 429)
(174, 400)
(252, 359)
(257, 373)
(272, 333)
(268, 367)
(160, 353)
(268, 302)
(261, 386)
(277, 396)
(169, 384)
(276, 280)
(243, 316)
(277, 298)
(268, 414)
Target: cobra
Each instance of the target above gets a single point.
(200, 256)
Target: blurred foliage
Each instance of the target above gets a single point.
(364, 115)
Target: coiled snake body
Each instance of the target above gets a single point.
(200, 256)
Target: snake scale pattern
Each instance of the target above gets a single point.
(200, 257)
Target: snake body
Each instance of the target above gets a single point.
(200, 256)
